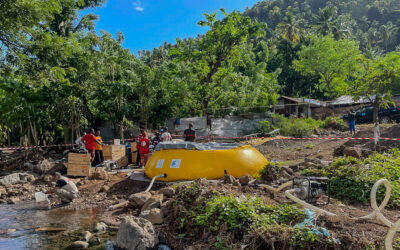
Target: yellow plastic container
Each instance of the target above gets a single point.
(184, 164)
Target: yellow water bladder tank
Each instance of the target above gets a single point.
(190, 161)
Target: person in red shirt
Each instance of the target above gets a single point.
(90, 140)
(144, 149)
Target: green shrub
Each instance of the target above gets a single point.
(241, 213)
(265, 127)
(300, 127)
(334, 122)
(352, 179)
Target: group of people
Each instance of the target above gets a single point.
(92, 143)
(143, 142)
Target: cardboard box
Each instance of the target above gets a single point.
(123, 162)
(113, 152)
(79, 158)
(74, 169)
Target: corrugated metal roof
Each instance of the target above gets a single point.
(346, 99)
(313, 102)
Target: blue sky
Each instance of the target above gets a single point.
(148, 23)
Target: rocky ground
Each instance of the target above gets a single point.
(152, 216)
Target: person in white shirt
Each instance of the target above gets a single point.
(80, 143)
(65, 188)
(166, 136)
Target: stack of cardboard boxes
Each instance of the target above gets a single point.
(78, 165)
(115, 153)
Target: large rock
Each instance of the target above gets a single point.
(100, 174)
(43, 167)
(86, 236)
(245, 179)
(351, 151)
(80, 245)
(100, 227)
(104, 188)
(16, 178)
(154, 202)
(229, 179)
(153, 215)
(136, 233)
(139, 199)
(167, 191)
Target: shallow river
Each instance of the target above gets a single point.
(32, 228)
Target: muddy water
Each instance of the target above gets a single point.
(23, 221)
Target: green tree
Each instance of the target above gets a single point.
(379, 81)
(290, 27)
(212, 54)
(336, 62)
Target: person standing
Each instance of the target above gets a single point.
(351, 120)
(144, 149)
(156, 139)
(138, 147)
(79, 142)
(166, 136)
(98, 150)
(90, 140)
(65, 188)
(189, 134)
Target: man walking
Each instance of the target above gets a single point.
(189, 133)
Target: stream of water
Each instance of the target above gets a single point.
(30, 227)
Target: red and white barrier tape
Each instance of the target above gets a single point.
(223, 137)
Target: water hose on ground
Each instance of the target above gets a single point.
(124, 203)
(278, 189)
(289, 194)
(394, 227)
(153, 180)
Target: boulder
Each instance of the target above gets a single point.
(154, 202)
(100, 174)
(229, 179)
(352, 151)
(80, 245)
(153, 215)
(165, 207)
(47, 178)
(16, 178)
(86, 236)
(139, 199)
(167, 191)
(136, 233)
(237, 183)
(43, 167)
(100, 227)
(245, 179)
(339, 150)
(58, 167)
(13, 200)
(104, 188)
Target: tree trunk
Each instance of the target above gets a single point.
(121, 132)
(376, 120)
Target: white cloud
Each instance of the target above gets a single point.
(138, 8)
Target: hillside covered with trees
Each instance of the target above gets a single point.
(57, 75)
